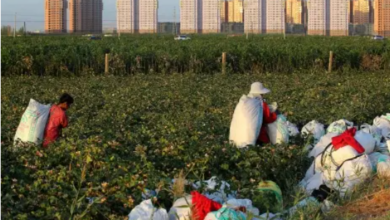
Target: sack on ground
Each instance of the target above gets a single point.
(375, 132)
(246, 123)
(322, 144)
(181, 209)
(278, 131)
(383, 123)
(339, 126)
(312, 183)
(348, 176)
(315, 129)
(292, 129)
(147, 211)
(33, 123)
(366, 140)
(383, 167)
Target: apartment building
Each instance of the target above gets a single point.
(127, 16)
(339, 17)
(294, 11)
(190, 16)
(56, 16)
(232, 11)
(148, 16)
(275, 17)
(254, 16)
(211, 17)
(86, 16)
(317, 16)
(382, 17)
(360, 11)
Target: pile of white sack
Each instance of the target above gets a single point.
(343, 169)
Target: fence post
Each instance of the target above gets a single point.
(106, 67)
(223, 62)
(330, 67)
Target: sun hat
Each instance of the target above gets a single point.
(258, 88)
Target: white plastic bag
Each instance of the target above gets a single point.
(221, 194)
(366, 140)
(339, 126)
(383, 123)
(314, 128)
(246, 122)
(181, 208)
(292, 129)
(236, 203)
(312, 183)
(278, 131)
(375, 132)
(348, 176)
(33, 123)
(146, 211)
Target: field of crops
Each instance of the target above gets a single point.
(128, 133)
(201, 54)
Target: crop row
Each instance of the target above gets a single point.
(201, 54)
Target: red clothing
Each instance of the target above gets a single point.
(202, 206)
(347, 138)
(57, 121)
(268, 118)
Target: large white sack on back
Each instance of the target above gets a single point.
(278, 131)
(351, 174)
(146, 211)
(181, 208)
(246, 122)
(383, 123)
(366, 140)
(216, 190)
(339, 126)
(322, 144)
(33, 123)
(314, 128)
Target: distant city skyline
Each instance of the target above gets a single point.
(33, 13)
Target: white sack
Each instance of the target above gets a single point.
(375, 132)
(33, 123)
(146, 211)
(181, 208)
(278, 131)
(312, 183)
(315, 129)
(351, 174)
(366, 140)
(339, 126)
(292, 129)
(321, 145)
(246, 122)
(383, 123)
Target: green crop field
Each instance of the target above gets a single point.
(135, 132)
(202, 54)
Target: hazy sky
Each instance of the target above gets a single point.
(32, 11)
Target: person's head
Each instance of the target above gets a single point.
(257, 90)
(66, 101)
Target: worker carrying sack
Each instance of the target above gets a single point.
(246, 122)
(33, 123)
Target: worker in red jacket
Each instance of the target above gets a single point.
(57, 119)
(257, 91)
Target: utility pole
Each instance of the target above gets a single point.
(15, 26)
(25, 30)
(174, 20)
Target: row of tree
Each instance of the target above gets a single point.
(9, 31)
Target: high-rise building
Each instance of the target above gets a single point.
(382, 17)
(86, 16)
(294, 11)
(275, 17)
(232, 11)
(127, 16)
(360, 11)
(190, 16)
(211, 18)
(328, 17)
(254, 16)
(339, 17)
(148, 16)
(56, 16)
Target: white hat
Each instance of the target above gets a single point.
(258, 88)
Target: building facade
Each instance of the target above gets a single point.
(127, 16)
(211, 17)
(294, 11)
(232, 11)
(317, 17)
(275, 17)
(148, 16)
(190, 16)
(360, 11)
(254, 16)
(56, 16)
(382, 17)
(339, 17)
(86, 16)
